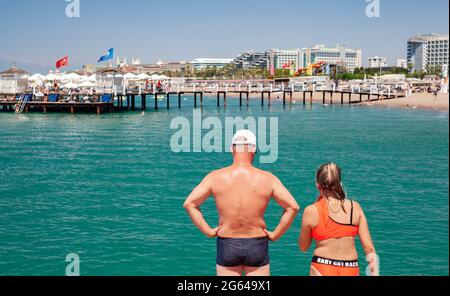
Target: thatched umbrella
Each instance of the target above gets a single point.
(13, 72)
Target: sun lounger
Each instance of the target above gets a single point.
(106, 99)
(53, 98)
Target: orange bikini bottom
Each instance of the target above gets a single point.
(331, 267)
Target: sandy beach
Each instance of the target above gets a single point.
(419, 101)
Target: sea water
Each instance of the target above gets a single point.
(109, 188)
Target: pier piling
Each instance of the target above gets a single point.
(144, 102)
(133, 102)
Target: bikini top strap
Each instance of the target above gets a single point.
(351, 213)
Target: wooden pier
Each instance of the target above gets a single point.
(127, 101)
(370, 97)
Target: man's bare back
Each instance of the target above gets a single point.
(242, 194)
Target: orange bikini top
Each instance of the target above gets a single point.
(328, 228)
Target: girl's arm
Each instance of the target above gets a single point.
(367, 244)
(310, 217)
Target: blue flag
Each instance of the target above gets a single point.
(108, 56)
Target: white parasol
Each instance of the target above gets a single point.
(130, 76)
(143, 76)
(36, 77)
(87, 84)
(70, 85)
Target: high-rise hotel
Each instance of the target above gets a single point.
(428, 50)
(339, 55)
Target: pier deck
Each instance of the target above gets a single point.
(127, 101)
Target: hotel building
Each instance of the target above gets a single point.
(279, 59)
(402, 63)
(428, 50)
(203, 63)
(252, 59)
(339, 55)
(378, 62)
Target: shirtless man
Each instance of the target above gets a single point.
(242, 194)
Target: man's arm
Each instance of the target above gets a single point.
(192, 205)
(291, 208)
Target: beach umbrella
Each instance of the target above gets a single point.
(72, 76)
(92, 78)
(143, 76)
(36, 77)
(52, 77)
(37, 83)
(155, 77)
(164, 77)
(66, 77)
(70, 85)
(129, 76)
(87, 84)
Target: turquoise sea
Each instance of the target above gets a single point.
(110, 189)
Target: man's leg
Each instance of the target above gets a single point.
(257, 271)
(229, 271)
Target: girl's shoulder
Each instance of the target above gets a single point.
(311, 216)
(311, 210)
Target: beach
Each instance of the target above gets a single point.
(418, 101)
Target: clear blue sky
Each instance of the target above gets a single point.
(38, 32)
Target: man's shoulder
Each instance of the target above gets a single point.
(218, 172)
(266, 174)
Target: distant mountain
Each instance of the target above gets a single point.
(30, 67)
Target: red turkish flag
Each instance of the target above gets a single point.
(64, 62)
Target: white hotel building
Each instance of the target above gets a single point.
(378, 62)
(203, 63)
(349, 58)
(278, 58)
(428, 50)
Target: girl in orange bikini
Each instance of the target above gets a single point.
(334, 222)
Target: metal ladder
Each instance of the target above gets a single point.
(20, 107)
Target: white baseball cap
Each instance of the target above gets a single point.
(244, 137)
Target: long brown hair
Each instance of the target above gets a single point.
(329, 179)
